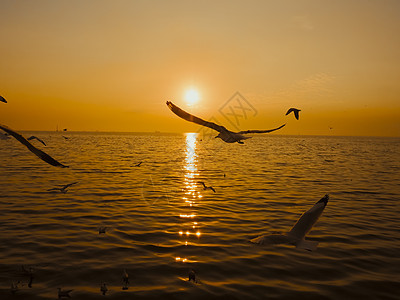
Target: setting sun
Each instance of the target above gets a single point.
(192, 96)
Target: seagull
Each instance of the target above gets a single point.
(39, 153)
(125, 280)
(206, 187)
(102, 229)
(224, 134)
(3, 100)
(64, 293)
(103, 288)
(296, 236)
(138, 165)
(62, 189)
(295, 111)
(65, 137)
(36, 138)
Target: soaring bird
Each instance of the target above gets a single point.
(206, 187)
(224, 134)
(295, 111)
(39, 153)
(62, 189)
(36, 138)
(296, 236)
(2, 99)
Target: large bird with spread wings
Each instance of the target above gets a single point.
(296, 236)
(224, 134)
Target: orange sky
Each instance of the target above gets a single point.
(111, 65)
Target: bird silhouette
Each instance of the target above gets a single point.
(62, 189)
(224, 134)
(295, 111)
(206, 187)
(36, 138)
(2, 99)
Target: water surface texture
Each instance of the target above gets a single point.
(161, 223)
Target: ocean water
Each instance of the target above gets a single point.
(161, 223)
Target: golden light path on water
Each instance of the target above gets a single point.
(190, 227)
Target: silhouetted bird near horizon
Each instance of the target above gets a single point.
(36, 138)
(62, 189)
(295, 111)
(224, 134)
(39, 153)
(65, 137)
(3, 100)
(296, 236)
(206, 187)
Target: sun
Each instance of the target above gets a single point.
(192, 96)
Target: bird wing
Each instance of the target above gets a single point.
(3, 100)
(261, 131)
(289, 111)
(308, 219)
(201, 182)
(188, 117)
(212, 189)
(68, 185)
(35, 137)
(296, 114)
(39, 153)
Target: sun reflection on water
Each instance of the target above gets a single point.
(189, 227)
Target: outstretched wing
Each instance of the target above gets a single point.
(261, 131)
(3, 100)
(68, 185)
(308, 219)
(35, 137)
(188, 117)
(39, 153)
(289, 111)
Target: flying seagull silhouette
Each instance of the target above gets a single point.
(3, 100)
(62, 189)
(206, 187)
(224, 134)
(296, 236)
(295, 111)
(36, 138)
(39, 153)
(138, 165)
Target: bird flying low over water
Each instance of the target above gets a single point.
(224, 134)
(36, 138)
(2, 99)
(295, 111)
(62, 189)
(206, 187)
(296, 236)
(39, 153)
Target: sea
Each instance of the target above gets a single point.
(160, 223)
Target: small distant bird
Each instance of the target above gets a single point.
(138, 165)
(206, 187)
(36, 138)
(62, 189)
(103, 288)
(296, 236)
(3, 100)
(125, 280)
(65, 137)
(295, 111)
(39, 153)
(224, 134)
(102, 230)
(65, 129)
(64, 293)
(224, 175)
(192, 276)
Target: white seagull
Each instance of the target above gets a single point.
(62, 189)
(39, 153)
(224, 134)
(36, 138)
(295, 111)
(296, 236)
